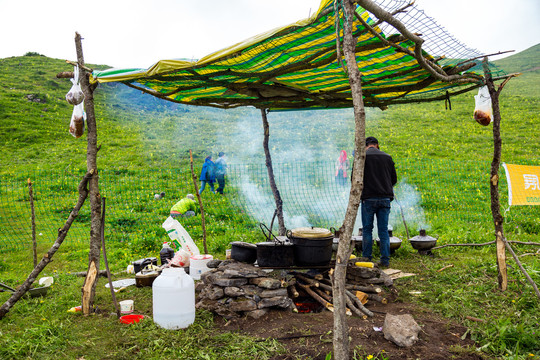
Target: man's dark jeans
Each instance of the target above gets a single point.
(221, 181)
(379, 207)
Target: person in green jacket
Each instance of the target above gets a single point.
(185, 207)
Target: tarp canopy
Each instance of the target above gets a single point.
(296, 67)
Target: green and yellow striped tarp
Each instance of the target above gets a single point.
(294, 67)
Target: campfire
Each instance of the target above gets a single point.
(234, 289)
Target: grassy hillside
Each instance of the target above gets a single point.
(138, 130)
(139, 134)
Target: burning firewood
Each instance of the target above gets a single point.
(314, 295)
(306, 279)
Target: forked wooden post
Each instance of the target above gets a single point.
(90, 282)
(271, 178)
(498, 220)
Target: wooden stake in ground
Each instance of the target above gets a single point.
(203, 224)
(34, 242)
(113, 295)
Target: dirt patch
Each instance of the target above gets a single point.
(308, 336)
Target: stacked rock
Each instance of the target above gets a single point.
(233, 289)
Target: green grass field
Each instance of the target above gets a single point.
(445, 151)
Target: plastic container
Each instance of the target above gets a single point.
(197, 265)
(179, 236)
(130, 319)
(126, 306)
(166, 253)
(173, 299)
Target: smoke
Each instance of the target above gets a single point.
(407, 205)
(304, 150)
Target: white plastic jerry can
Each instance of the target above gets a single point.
(173, 299)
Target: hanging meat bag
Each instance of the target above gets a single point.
(75, 95)
(482, 111)
(78, 117)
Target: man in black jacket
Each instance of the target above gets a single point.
(379, 178)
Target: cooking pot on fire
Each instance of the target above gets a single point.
(312, 245)
(277, 252)
(422, 241)
(243, 252)
(395, 242)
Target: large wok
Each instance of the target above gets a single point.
(34, 292)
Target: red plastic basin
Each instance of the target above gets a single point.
(130, 319)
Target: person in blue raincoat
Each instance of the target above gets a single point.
(208, 174)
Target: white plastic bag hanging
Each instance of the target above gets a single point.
(482, 111)
(75, 95)
(78, 117)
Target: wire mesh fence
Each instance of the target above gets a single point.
(429, 194)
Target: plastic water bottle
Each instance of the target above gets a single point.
(179, 236)
(166, 253)
(173, 299)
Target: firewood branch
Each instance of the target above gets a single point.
(529, 279)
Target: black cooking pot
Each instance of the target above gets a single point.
(243, 252)
(276, 253)
(423, 242)
(312, 246)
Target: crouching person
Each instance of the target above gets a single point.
(185, 207)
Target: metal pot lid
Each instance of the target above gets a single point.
(423, 238)
(271, 243)
(243, 244)
(311, 233)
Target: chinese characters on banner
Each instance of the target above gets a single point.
(523, 184)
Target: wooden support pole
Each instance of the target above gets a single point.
(203, 222)
(271, 178)
(90, 282)
(494, 179)
(341, 331)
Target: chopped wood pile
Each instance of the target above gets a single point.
(233, 289)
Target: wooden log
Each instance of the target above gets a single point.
(291, 289)
(306, 279)
(323, 294)
(366, 289)
(377, 298)
(293, 307)
(354, 309)
(314, 295)
(358, 303)
(362, 296)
